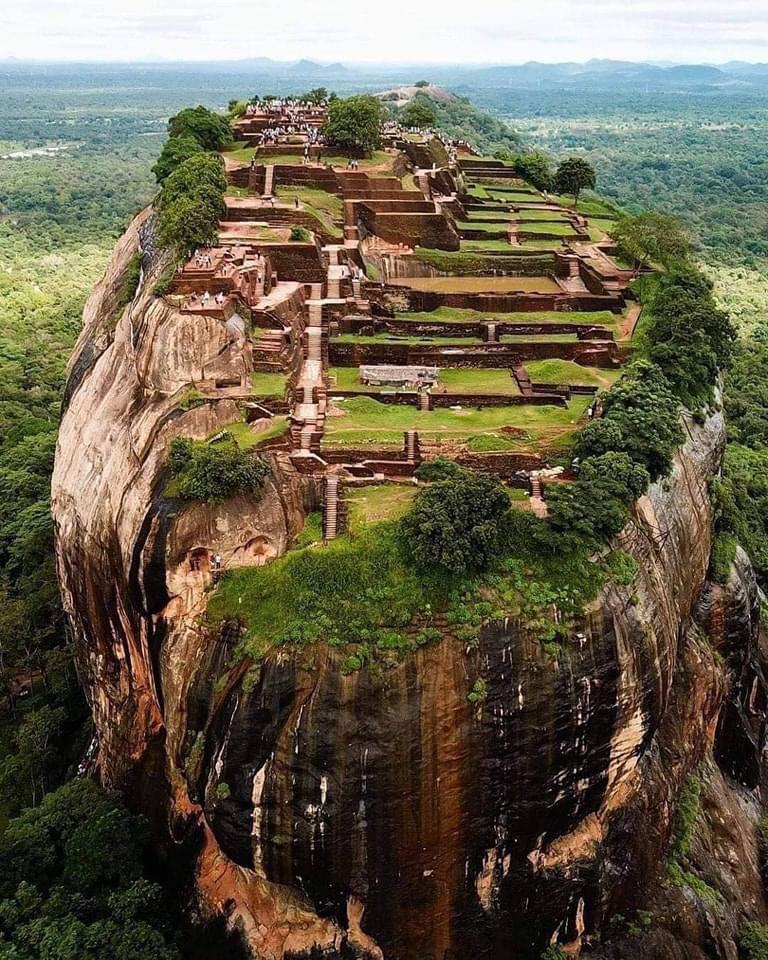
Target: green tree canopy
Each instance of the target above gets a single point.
(192, 203)
(419, 113)
(653, 238)
(354, 123)
(211, 130)
(535, 169)
(175, 151)
(72, 885)
(456, 523)
(316, 95)
(573, 176)
(689, 337)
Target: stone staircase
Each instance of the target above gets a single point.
(269, 180)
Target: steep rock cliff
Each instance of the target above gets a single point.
(386, 815)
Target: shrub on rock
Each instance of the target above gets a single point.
(202, 471)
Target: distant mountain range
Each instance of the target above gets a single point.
(736, 74)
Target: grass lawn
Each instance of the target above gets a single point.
(509, 196)
(496, 216)
(247, 438)
(544, 338)
(565, 372)
(268, 384)
(589, 206)
(484, 246)
(385, 501)
(541, 215)
(553, 229)
(542, 244)
(396, 338)
(328, 203)
(325, 207)
(491, 380)
(602, 318)
(364, 421)
(482, 225)
(479, 284)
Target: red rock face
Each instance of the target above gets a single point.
(386, 815)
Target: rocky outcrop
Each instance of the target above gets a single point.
(385, 815)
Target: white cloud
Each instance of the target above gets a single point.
(425, 30)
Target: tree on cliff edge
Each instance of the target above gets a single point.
(354, 123)
(192, 203)
(456, 523)
(574, 175)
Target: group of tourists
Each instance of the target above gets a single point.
(203, 260)
(204, 299)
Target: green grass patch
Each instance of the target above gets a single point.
(328, 208)
(480, 246)
(397, 338)
(312, 531)
(566, 371)
(495, 216)
(490, 443)
(512, 196)
(533, 214)
(491, 380)
(603, 318)
(268, 384)
(246, 437)
(384, 501)
(481, 226)
(367, 422)
(589, 206)
(528, 338)
(245, 154)
(543, 245)
(554, 229)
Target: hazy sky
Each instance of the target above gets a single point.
(508, 31)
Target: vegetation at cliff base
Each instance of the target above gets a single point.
(753, 941)
(73, 885)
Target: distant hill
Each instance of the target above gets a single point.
(402, 95)
(310, 68)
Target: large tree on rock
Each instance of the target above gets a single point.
(354, 123)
